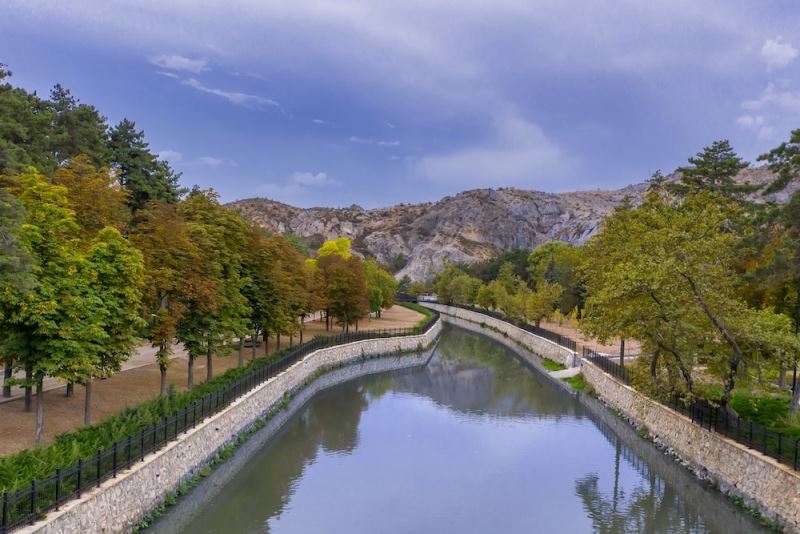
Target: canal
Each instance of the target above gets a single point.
(473, 441)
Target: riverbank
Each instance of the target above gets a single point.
(119, 503)
(757, 480)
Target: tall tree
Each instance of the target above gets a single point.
(49, 326)
(77, 129)
(115, 275)
(345, 288)
(173, 274)
(139, 171)
(713, 170)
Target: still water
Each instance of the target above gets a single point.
(474, 441)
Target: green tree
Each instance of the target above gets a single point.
(345, 289)
(49, 327)
(665, 274)
(713, 170)
(381, 286)
(559, 263)
(77, 129)
(138, 170)
(115, 275)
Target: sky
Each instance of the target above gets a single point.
(377, 103)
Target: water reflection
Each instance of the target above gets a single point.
(472, 442)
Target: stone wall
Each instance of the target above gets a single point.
(119, 503)
(764, 483)
(539, 345)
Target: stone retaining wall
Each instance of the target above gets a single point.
(539, 345)
(761, 481)
(119, 503)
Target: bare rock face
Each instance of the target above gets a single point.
(470, 226)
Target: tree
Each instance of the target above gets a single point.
(25, 129)
(345, 289)
(77, 129)
(94, 195)
(216, 307)
(139, 171)
(558, 262)
(784, 161)
(173, 276)
(713, 170)
(115, 275)
(486, 298)
(49, 326)
(15, 265)
(381, 286)
(339, 247)
(665, 273)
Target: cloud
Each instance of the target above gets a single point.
(241, 99)
(517, 153)
(310, 179)
(389, 125)
(777, 53)
(180, 63)
(368, 141)
(320, 121)
(168, 74)
(172, 156)
(773, 114)
(210, 161)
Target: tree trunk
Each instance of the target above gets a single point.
(622, 353)
(795, 400)
(278, 342)
(39, 412)
(7, 373)
(27, 390)
(782, 375)
(291, 340)
(301, 335)
(163, 369)
(255, 343)
(190, 373)
(654, 364)
(70, 389)
(241, 351)
(87, 404)
(209, 364)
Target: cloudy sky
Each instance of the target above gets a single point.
(375, 103)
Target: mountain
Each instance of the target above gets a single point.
(470, 226)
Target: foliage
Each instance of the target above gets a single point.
(713, 171)
(558, 263)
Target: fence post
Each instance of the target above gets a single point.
(97, 470)
(58, 486)
(114, 462)
(796, 447)
(5, 509)
(33, 499)
(141, 444)
(80, 472)
(128, 463)
(780, 439)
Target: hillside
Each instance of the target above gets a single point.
(470, 226)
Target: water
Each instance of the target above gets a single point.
(475, 441)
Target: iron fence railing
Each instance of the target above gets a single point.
(29, 504)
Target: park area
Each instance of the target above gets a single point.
(140, 381)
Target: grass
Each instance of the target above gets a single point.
(551, 365)
(427, 313)
(577, 382)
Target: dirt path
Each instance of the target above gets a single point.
(612, 347)
(140, 383)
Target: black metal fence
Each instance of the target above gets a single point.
(609, 364)
(785, 449)
(32, 503)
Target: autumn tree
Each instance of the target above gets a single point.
(173, 274)
(94, 195)
(345, 289)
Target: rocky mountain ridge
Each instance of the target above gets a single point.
(470, 226)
